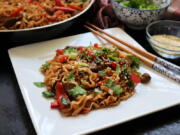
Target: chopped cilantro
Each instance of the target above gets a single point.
(45, 65)
(48, 94)
(106, 50)
(117, 89)
(83, 64)
(101, 73)
(84, 55)
(113, 58)
(39, 84)
(77, 91)
(83, 0)
(109, 83)
(81, 85)
(135, 61)
(70, 50)
(130, 84)
(98, 52)
(115, 52)
(70, 77)
(97, 60)
(118, 70)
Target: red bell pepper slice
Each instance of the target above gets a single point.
(64, 9)
(93, 56)
(59, 52)
(51, 18)
(54, 105)
(28, 1)
(101, 82)
(63, 59)
(61, 15)
(75, 7)
(85, 111)
(16, 11)
(135, 78)
(96, 45)
(60, 93)
(89, 52)
(113, 64)
(58, 12)
(81, 48)
(38, 4)
(59, 3)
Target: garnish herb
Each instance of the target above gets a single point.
(71, 52)
(71, 77)
(83, 64)
(98, 52)
(130, 84)
(77, 91)
(135, 61)
(39, 84)
(118, 70)
(101, 73)
(64, 101)
(97, 60)
(109, 83)
(106, 50)
(81, 85)
(48, 94)
(45, 65)
(83, 0)
(113, 58)
(115, 52)
(85, 56)
(117, 89)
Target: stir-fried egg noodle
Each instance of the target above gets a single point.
(92, 77)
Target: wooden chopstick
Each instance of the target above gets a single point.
(148, 62)
(140, 51)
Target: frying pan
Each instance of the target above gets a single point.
(41, 33)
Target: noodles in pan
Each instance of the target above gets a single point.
(21, 14)
(85, 78)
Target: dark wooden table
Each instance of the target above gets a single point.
(15, 120)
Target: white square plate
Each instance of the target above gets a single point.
(159, 94)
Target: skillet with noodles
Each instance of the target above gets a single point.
(85, 78)
(22, 14)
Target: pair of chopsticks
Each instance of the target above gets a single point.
(164, 67)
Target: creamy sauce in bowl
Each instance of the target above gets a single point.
(169, 42)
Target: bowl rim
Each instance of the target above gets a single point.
(53, 24)
(155, 22)
(168, 4)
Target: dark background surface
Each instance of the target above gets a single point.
(15, 120)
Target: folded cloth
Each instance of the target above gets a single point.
(173, 11)
(103, 14)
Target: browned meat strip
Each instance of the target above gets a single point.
(9, 21)
(68, 86)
